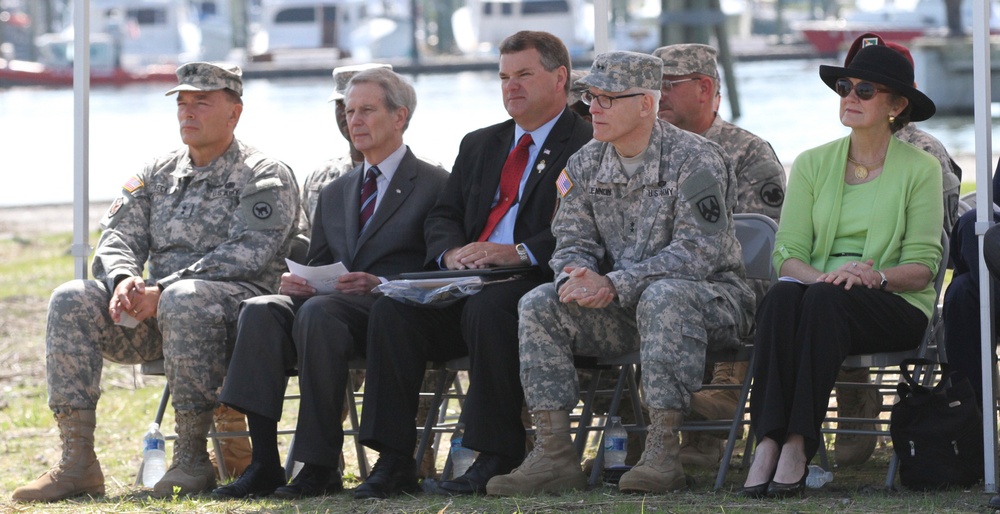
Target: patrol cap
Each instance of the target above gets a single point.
(688, 58)
(343, 74)
(206, 76)
(619, 71)
(574, 89)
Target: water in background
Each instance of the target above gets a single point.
(782, 101)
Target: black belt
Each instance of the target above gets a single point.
(845, 254)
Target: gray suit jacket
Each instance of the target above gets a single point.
(393, 243)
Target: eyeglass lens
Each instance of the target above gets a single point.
(864, 90)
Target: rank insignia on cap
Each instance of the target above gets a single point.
(869, 41)
(563, 183)
(132, 184)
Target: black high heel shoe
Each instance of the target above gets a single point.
(780, 490)
(756, 491)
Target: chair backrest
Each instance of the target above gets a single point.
(756, 234)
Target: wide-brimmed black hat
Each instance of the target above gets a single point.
(881, 64)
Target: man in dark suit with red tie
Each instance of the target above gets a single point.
(494, 211)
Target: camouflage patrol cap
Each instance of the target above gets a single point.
(343, 74)
(574, 89)
(688, 58)
(206, 76)
(619, 71)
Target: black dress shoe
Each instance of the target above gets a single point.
(257, 480)
(312, 480)
(481, 471)
(391, 475)
(780, 490)
(754, 491)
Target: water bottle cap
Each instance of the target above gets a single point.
(154, 426)
(615, 419)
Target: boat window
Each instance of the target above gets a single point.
(544, 7)
(148, 16)
(506, 8)
(207, 8)
(296, 15)
(487, 8)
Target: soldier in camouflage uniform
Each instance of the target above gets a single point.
(647, 260)
(689, 101)
(210, 224)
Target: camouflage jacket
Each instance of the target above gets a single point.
(760, 177)
(672, 219)
(231, 220)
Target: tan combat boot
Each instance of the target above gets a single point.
(191, 471)
(853, 449)
(719, 403)
(552, 465)
(78, 471)
(236, 451)
(701, 450)
(660, 469)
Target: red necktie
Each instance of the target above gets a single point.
(510, 183)
(369, 191)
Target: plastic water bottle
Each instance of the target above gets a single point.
(461, 457)
(615, 442)
(154, 456)
(818, 477)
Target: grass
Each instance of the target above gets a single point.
(29, 442)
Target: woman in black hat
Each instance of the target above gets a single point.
(857, 249)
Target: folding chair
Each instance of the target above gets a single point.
(756, 234)
(933, 337)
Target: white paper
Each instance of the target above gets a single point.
(127, 321)
(322, 278)
(793, 279)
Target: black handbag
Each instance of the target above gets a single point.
(937, 433)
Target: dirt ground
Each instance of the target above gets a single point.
(22, 222)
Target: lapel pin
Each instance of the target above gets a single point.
(545, 151)
(398, 191)
(541, 166)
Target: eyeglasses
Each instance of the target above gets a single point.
(668, 85)
(605, 101)
(864, 90)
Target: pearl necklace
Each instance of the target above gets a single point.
(861, 169)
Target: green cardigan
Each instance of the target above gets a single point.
(906, 217)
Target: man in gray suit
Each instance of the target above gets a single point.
(371, 220)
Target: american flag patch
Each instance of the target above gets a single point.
(563, 183)
(132, 184)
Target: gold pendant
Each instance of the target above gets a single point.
(860, 172)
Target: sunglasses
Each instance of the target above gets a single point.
(864, 90)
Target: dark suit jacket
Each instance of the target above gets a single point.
(464, 205)
(394, 241)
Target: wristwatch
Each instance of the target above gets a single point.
(522, 252)
(885, 283)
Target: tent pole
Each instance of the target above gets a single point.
(81, 137)
(984, 218)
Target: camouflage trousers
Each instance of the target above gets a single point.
(672, 326)
(195, 321)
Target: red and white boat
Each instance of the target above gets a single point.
(899, 21)
(27, 73)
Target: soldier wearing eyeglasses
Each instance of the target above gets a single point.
(646, 258)
(689, 97)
